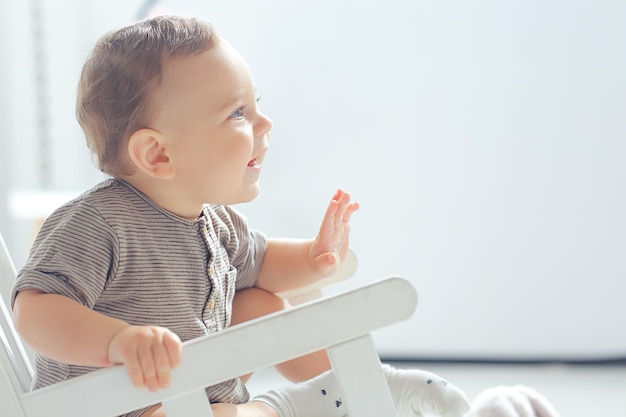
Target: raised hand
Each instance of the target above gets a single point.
(333, 240)
(148, 352)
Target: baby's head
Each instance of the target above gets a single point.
(118, 78)
(168, 99)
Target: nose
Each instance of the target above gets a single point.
(263, 125)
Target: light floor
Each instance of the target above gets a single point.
(575, 390)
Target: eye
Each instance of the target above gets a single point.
(237, 114)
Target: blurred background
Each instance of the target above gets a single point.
(485, 141)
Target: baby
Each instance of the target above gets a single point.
(156, 255)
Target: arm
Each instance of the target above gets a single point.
(292, 263)
(66, 331)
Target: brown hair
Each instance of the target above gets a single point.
(124, 67)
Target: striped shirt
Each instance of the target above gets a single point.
(116, 252)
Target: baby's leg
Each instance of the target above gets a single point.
(255, 302)
(415, 393)
(253, 409)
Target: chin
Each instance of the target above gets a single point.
(254, 193)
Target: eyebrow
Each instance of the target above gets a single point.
(235, 98)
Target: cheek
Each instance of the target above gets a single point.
(229, 160)
(223, 150)
(239, 148)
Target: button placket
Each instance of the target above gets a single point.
(210, 242)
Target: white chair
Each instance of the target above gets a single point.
(341, 324)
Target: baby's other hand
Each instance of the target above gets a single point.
(511, 401)
(333, 241)
(148, 352)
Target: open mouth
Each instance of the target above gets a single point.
(254, 163)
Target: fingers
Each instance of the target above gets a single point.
(149, 353)
(156, 367)
(351, 208)
(147, 361)
(338, 213)
(174, 348)
(328, 223)
(331, 245)
(345, 208)
(136, 373)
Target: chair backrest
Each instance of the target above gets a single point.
(15, 356)
(16, 367)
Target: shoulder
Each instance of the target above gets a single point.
(106, 193)
(97, 214)
(112, 201)
(82, 209)
(78, 222)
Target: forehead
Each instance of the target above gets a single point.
(219, 72)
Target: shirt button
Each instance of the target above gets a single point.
(212, 304)
(212, 270)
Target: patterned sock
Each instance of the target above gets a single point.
(316, 397)
(414, 392)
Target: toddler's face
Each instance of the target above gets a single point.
(207, 108)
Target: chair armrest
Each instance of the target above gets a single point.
(235, 351)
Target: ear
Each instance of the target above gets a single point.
(148, 150)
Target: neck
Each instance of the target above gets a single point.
(167, 195)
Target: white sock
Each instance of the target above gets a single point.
(414, 392)
(317, 397)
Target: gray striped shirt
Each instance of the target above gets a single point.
(116, 252)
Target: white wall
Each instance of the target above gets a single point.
(483, 139)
